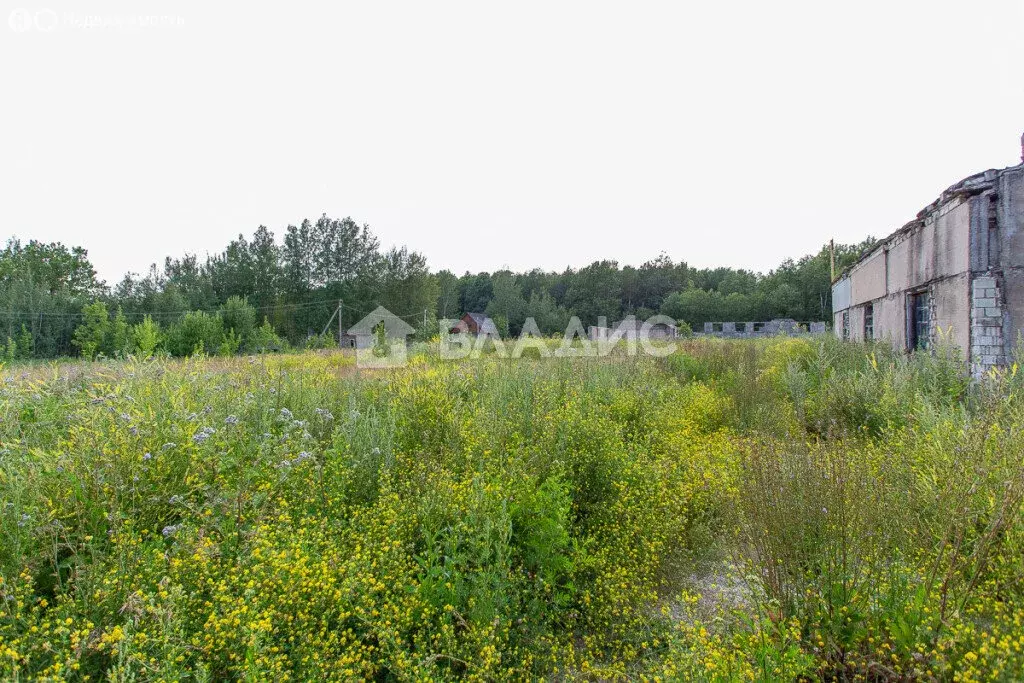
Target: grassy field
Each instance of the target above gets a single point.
(741, 510)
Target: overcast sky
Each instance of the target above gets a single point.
(491, 135)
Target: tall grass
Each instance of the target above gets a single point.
(294, 518)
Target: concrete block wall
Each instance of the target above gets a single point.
(735, 330)
(1011, 220)
(951, 312)
(988, 347)
(891, 319)
(857, 323)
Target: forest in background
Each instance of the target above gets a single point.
(261, 293)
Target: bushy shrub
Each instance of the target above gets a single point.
(197, 333)
(238, 316)
(879, 548)
(26, 343)
(230, 343)
(90, 337)
(146, 337)
(320, 341)
(119, 337)
(264, 339)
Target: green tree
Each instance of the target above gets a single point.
(808, 282)
(694, 306)
(91, 335)
(785, 301)
(408, 288)
(596, 291)
(265, 339)
(26, 343)
(501, 322)
(229, 344)
(120, 340)
(44, 286)
(550, 317)
(475, 292)
(146, 337)
(737, 282)
(193, 281)
(447, 294)
(656, 279)
(264, 260)
(538, 281)
(198, 332)
(736, 307)
(507, 302)
(239, 317)
(54, 267)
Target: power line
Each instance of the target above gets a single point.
(272, 307)
(415, 314)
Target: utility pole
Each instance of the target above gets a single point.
(832, 258)
(341, 329)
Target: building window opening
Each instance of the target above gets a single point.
(920, 321)
(846, 326)
(869, 322)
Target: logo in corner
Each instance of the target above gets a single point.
(380, 339)
(20, 20)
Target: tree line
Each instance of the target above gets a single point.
(261, 294)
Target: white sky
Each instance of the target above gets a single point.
(491, 135)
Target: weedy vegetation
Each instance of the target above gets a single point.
(778, 510)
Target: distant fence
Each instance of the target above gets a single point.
(791, 328)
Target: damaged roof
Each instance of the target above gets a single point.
(969, 186)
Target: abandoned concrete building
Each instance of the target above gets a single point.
(632, 329)
(771, 328)
(957, 270)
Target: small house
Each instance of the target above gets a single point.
(476, 324)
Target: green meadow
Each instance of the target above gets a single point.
(777, 510)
